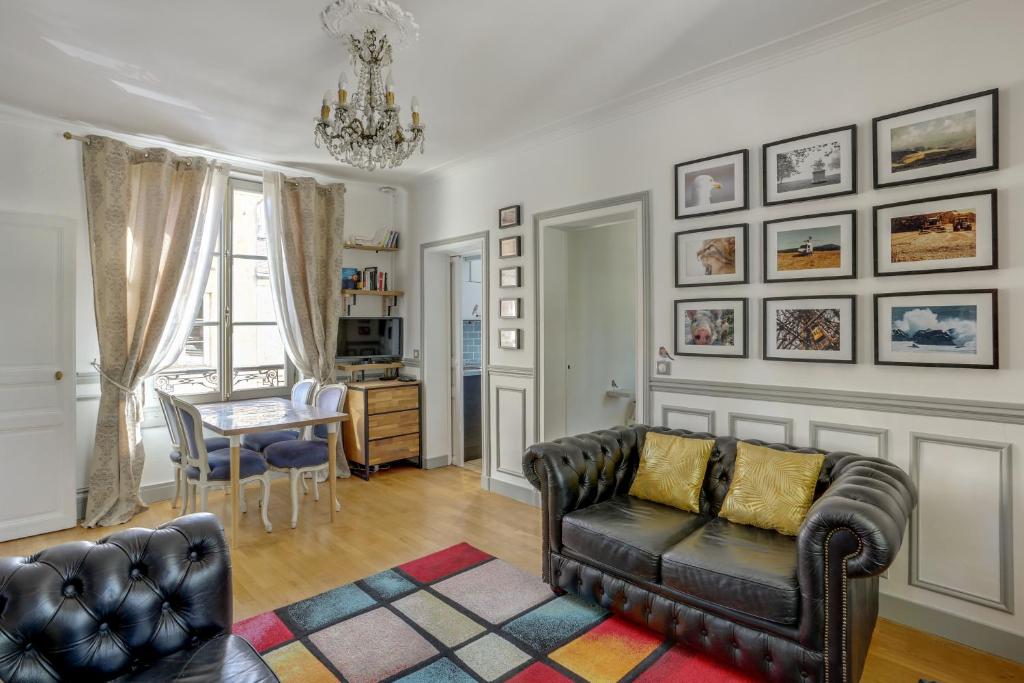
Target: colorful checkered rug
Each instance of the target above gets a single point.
(462, 615)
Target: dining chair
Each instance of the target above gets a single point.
(309, 455)
(302, 392)
(212, 443)
(212, 469)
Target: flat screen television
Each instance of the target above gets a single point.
(369, 339)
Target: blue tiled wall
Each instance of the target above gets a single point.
(471, 343)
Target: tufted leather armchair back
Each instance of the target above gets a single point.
(94, 611)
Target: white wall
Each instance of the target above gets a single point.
(42, 174)
(849, 81)
(599, 347)
(472, 288)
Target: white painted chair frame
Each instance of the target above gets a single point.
(174, 433)
(298, 474)
(201, 487)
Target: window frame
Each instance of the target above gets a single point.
(225, 323)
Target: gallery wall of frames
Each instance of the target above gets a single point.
(950, 233)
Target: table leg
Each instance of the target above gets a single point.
(236, 456)
(332, 465)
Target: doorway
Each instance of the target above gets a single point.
(453, 314)
(592, 352)
(467, 314)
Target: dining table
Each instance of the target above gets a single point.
(235, 418)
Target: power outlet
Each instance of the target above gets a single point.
(416, 353)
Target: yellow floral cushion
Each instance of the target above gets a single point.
(771, 489)
(671, 470)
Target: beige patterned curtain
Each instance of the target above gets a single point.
(151, 214)
(305, 233)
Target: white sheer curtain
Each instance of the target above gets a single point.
(196, 272)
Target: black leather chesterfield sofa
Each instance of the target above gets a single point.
(139, 605)
(777, 607)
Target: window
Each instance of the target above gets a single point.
(242, 334)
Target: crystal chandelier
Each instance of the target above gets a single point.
(363, 128)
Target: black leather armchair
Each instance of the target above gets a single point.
(139, 605)
(777, 607)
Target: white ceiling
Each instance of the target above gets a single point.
(246, 76)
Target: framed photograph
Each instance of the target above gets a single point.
(812, 166)
(510, 216)
(822, 246)
(711, 185)
(938, 234)
(510, 339)
(510, 308)
(510, 247)
(711, 327)
(510, 277)
(944, 329)
(942, 140)
(817, 329)
(712, 256)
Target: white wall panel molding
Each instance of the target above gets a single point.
(985, 411)
(762, 427)
(694, 425)
(819, 430)
(510, 429)
(509, 371)
(966, 492)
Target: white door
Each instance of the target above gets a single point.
(455, 362)
(37, 379)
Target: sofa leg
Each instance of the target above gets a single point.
(557, 591)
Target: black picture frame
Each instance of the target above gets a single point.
(746, 328)
(993, 197)
(746, 255)
(852, 128)
(517, 239)
(853, 331)
(853, 247)
(519, 216)
(519, 277)
(518, 304)
(518, 333)
(746, 184)
(992, 92)
(995, 328)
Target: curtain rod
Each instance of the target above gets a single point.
(68, 135)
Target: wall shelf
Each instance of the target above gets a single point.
(372, 292)
(369, 247)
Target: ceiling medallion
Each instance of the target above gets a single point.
(362, 127)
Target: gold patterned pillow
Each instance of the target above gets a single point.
(671, 470)
(771, 489)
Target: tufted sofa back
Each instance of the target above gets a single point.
(93, 611)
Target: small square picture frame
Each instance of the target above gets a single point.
(511, 277)
(510, 247)
(510, 339)
(510, 308)
(510, 216)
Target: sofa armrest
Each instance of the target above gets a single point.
(870, 498)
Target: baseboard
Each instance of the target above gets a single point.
(520, 493)
(946, 625)
(435, 462)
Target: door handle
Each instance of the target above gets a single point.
(58, 375)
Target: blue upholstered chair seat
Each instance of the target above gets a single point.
(260, 440)
(214, 443)
(297, 454)
(320, 431)
(250, 464)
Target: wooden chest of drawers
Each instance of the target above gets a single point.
(384, 423)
